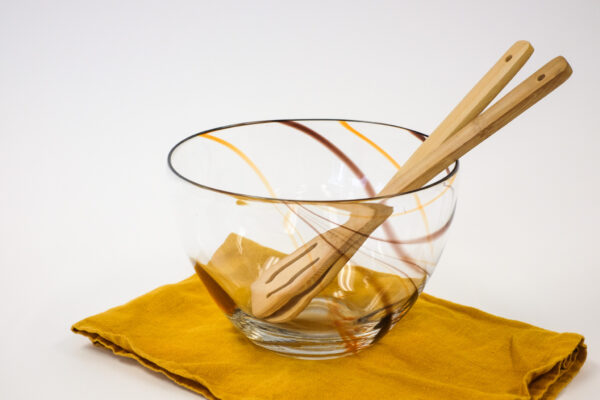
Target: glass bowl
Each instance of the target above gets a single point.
(248, 194)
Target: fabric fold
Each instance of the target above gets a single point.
(439, 350)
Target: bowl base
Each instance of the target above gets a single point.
(320, 341)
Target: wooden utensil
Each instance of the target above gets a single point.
(284, 290)
(312, 266)
(472, 104)
(526, 94)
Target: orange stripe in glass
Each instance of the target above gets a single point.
(245, 158)
(373, 144)
(262, 178)
(396, 164)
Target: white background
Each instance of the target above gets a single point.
(93, 94)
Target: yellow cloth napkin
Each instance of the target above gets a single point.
(439, 350)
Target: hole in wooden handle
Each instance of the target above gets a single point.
(542, 76)
(508, 58)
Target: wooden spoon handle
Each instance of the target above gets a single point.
(473, 103)
(526, 94)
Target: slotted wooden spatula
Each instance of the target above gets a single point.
(284, 290)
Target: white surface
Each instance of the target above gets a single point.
(93, 94)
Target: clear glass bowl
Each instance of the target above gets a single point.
(248, 194)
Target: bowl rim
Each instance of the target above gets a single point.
(243, 196)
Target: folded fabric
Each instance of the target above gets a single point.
(439, 350)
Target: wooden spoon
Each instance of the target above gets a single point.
(474, 103)
(284, 290)
(312, 266)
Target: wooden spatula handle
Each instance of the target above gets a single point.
(526, 94)
(478, 98)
